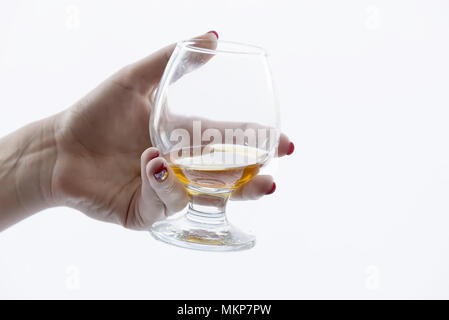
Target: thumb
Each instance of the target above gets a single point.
(147, 72)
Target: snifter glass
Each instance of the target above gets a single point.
(215, 120)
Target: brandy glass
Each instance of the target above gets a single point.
(215, 120)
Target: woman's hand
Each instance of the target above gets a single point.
(102, 162)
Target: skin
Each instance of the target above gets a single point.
(96, 157)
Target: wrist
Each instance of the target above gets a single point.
(36, 158)
(37, 161)
(27, 159)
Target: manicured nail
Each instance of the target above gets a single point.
(155, 155)
(161, 174)
(291, 148)
(214, 32)
(273, 188)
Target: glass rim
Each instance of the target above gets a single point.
(240, 48)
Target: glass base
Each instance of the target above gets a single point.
(189, 231)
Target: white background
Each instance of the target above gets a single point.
(362, 207)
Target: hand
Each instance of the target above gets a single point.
(105, 164)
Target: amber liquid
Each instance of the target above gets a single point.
(219, 166)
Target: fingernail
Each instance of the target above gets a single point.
(273, 188)
(161, 174)
(156, 154)
(214, 32)
(291, 148)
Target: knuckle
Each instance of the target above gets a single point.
(126, 78)
(169, 186)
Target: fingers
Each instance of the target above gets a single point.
(285, 147)
(263, 184)
(161, 193)
(193, 59)
(165, 184)
(149, 208)
(146, 73)
(254, 189)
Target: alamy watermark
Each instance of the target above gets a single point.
(224, 145)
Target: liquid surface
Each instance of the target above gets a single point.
(218, 166)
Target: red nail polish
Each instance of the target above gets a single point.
(291, 148)
(156, 154)
(273, 188)
(161, 173)
(214, 32)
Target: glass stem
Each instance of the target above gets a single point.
(208, 208)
